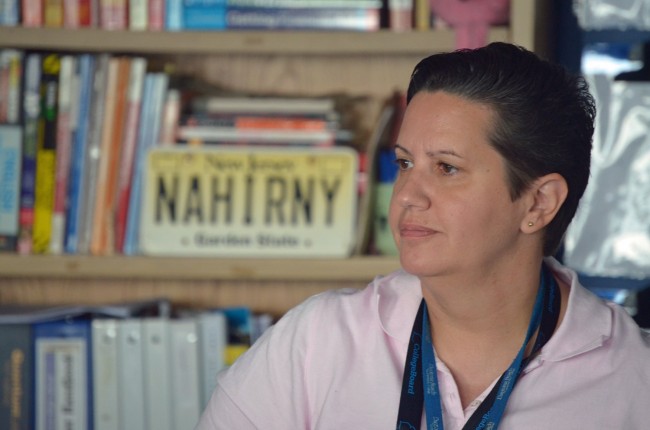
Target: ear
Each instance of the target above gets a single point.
(545, 196)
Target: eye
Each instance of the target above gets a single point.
(447, 169)
(403, 164)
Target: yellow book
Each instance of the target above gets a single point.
(46, 155)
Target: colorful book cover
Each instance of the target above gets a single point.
(253, 18)
(31, 113)
(16, 370)
(76, 184)
(63, 369)
(46, 154)
(243, 201)
(10, 160)
(131, 127)
(174, 15)
(65, 124)
(156, 15)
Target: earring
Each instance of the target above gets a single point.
(530, 223)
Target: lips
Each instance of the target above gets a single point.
(415, 231)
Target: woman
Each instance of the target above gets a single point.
(482, 328)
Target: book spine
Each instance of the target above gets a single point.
(148, 138)
(156, 15)
(131, 374)
(400, 15)
(53, 13)
(31, 13)
(16, 368)
(85, 12)
(105, 374)
(359, 19)
(96, 206)
(46, 154)
(71, 13)
(131, 127)
(138, 15)
(31, 113)
(63, 369)
(13, 60)
(422, 15)
(93, 153)
(171, 115)
(9, 15)
(76, 184)
(213, 338)
(204, 14)
(174, 15)
(113, 14)
(184, 372)
(63, 151)
(10, 160)
(157, 373)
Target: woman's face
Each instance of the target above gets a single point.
(451, 210)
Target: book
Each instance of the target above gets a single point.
(65, 124)
(96, 119)
(422, 16)
(131, 373)
(184, 360)
(105, 412)
(239, 323)
(171, 117)
(204, 14)
(71, 14)
(197, 134)
(174, 15)
(131, 127)
(213, 338)
(249, 201)
(10, 160)
(31, 13)
(31, 113)
(157, 373)
(84, 75)
(46, 154)
(11, 70)
(53, 13)
(101, 242)
(16, 370)
(113, 14)
(155, 89)
(325, 18)
(400, 15)
(62, 359)
(138, 15)
(304, 106)
(156, 15)
(9, 13)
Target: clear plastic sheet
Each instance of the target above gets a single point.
(610, 235)
(612, 14)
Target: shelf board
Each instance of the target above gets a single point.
(236, 42)
(155, 268)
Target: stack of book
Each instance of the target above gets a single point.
(130, 366)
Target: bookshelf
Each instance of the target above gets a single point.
(315, 62)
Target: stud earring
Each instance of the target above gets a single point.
(530, 223)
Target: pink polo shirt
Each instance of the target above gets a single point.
(336, 362)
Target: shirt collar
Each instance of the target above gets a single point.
(587, 323)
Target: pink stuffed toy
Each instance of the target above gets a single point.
(471, 19)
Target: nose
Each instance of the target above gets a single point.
(410, 191)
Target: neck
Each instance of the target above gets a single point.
(491, 308)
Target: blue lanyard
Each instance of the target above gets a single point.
(420, 382)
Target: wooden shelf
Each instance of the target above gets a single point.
(312, 43)
(120, 267)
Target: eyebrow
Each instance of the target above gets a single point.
(432, 153)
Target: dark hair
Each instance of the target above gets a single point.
(544, 116)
